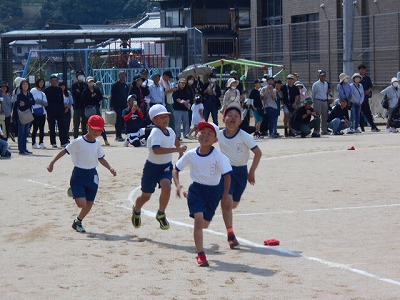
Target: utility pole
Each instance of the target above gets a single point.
(348, 33)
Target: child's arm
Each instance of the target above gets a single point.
(251, 177)
(58, 156)
(161, 150)
(175, 175)
(227, 186)
(105, 164)
(201, 114)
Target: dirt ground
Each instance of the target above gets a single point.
(336, 213)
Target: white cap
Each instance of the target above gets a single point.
(156, 110)
(394, 79)
(230, 81)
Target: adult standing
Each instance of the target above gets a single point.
(157, 94)
(258, 108)
(181, 99)
(145, 77)
(212, 93)
(392, 93)
(290, 99)
(233, 74)
(79, 109)
(92, 96)
(169, 89)
(39, 113)
(320, 90)
(357, 98)
(68, 101)
(119, 93)
(366, 82)
(140, 91)
(55, 112)
(7, 107)
(25, 102)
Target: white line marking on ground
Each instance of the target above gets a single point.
(243, 241)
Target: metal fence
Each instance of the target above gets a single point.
(305, 48)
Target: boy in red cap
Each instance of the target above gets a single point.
(207, 165)
(86, 152)
(236, 144)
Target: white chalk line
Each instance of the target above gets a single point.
(243, 241)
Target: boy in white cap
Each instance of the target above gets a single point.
(86, 152)
(207, 165)
(162, 142)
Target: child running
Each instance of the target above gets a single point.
(86, 152)
(207, 165)
(162, 142)
(236, 145)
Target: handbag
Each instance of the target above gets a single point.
(111, 117)
(90, 110)
(385, 102)
(25, 116)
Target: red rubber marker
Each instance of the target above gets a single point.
(272, 242)
(351, 148)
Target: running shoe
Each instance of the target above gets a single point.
(136, 219)
(162, 219)
(77, 225)
(233, 242)
(202, 260)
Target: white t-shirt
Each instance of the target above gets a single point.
(85, 154)
(237, 148)
(205, 169)
(196, 118)
(38, 95)
(157, 138)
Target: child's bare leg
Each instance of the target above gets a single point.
(198, 231)
(165, 185)
(85, 207)
(227, 214)
(141, 200)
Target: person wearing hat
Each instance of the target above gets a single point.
(320, 91)
(135, 123)
(233, 74)
(236, 144)
(366, 82)
(181, 106)
(140, 91)
(268, 96)
(162, 143)
(92, 97)
(157, 94)
(207, 165)
(55, 112)
(392, 93)
(119, 93)
(79, 119)
(145, 76)
(257, 106)
(212, 93)
(290, 99)
(86, 152)
(302, 90)
(357, 98)
(343, 88)
(338, 118)
(301, 120)
(231, 94)
(6, 109)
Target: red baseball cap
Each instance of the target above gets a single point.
(96, 122)
(211, 125)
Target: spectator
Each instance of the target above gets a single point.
(344, 88)
(290, 99)
(257, 106)
(55, 112)
(169, 89)
(366, 83)
(68, 101)
(231, 94)
(320, 90)
(338, 118)
(79, 109)
(39, 113)
(140, 92)
(145, 77)
(119, 93)
(4, 153)
(268, 96)
(233, 74)
(135, 122)
(212, 93)
(392, 93)
(394, 121)
(301, 120)
(25, 102)
(302, 90)
(181, 109)
(157, 94)
(197, 116)
(279, 96)
(7, 108)
(357, 98)
(92, 97)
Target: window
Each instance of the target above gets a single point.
(173, 18)
(305, 37)
(244, 17)
(271, 12)
(19, 49)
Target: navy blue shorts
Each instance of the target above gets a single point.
(203, 198)
(153, 174)
(238, 182)
(84, 183)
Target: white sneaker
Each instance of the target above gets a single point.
(35, 146)
(394, 130)
(126, 143)
(42, 146)
(388, 130)
(358, 130)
